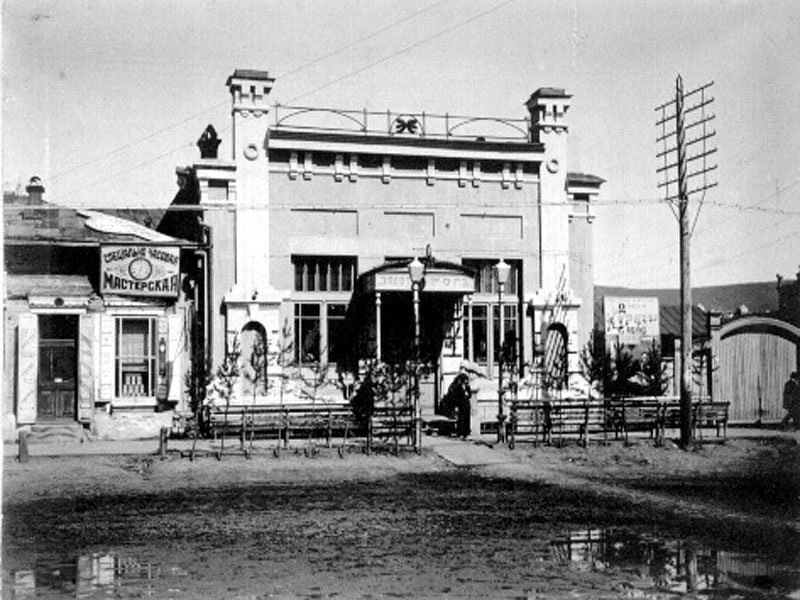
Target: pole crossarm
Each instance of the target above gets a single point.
(691, 142)
(689, 176)
(689, 159)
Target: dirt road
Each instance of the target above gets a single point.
(603, 522)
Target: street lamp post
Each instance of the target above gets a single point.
(416, 272)
(502, 270)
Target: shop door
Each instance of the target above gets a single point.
(58, 367)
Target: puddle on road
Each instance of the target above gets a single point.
(657, 566)
(635, 565)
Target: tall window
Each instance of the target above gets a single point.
(336, 315)
(324, 273)
(136, 357)
(306, 333)
(483, 346)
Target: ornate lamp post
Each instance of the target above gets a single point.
(416, 272)
(501, 270)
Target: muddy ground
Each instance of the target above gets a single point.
(603, 522)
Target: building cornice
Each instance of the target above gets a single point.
(283, 139)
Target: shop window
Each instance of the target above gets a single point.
(306, 333)
(335, 342)
(136, 357)
(311, 342)
(485, 278)
(324, 273)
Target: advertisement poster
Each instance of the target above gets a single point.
(631, 320)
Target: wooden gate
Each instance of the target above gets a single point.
(756, 356)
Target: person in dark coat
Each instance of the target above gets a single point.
(456, 404)
(791, 401)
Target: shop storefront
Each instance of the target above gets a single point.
(98, 322)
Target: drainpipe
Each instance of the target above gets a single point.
(207, 249)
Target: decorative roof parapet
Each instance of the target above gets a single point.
(401, 125)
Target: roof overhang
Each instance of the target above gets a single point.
(308, 141)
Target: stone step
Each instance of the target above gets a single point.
(58, 432)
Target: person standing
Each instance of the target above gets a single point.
(791, 401)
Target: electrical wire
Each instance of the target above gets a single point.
(218, 105)
(408, 48)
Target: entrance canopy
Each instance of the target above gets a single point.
(380, 317)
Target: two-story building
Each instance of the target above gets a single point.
(317, 214)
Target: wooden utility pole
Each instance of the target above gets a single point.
(676, 173)
(685, 258)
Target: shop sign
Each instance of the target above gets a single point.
(433, 282)
(631, 320)
(140, 270)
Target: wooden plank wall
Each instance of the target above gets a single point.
(753, 370)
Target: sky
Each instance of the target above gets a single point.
(102, 99)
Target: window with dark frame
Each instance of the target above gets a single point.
(509, 329)
(336, 323)
(480, 329)
(306, 333)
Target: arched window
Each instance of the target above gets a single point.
(556, 367)
(254, 358)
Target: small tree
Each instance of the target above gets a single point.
(596, 364)
(314, 379)
(256, 374)
(281, 359)
(223, 385)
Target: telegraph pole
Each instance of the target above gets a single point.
(676, 175)
(685, 258)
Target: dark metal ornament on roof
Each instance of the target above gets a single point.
(209, 143)
(407, 124)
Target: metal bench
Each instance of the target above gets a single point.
(628, 415)
(558, 420)
(581, 418)
(391, 426)
(283, 422)
(526, 421)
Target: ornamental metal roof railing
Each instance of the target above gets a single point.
(406, 124)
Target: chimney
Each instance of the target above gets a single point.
(35, 191)
(209, 143)
(548, 108)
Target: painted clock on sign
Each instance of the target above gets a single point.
(140, 269)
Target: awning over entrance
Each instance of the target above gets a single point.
(380, 321)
